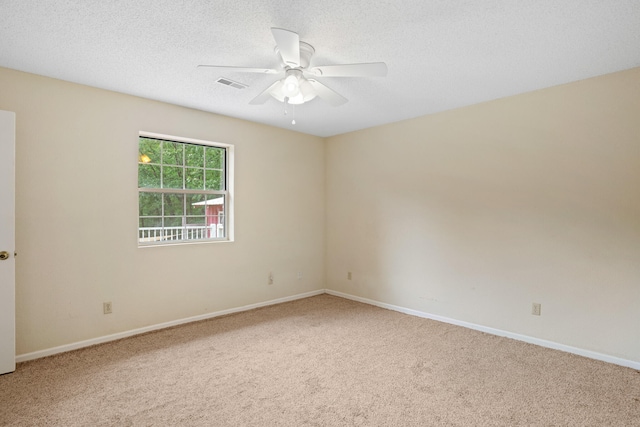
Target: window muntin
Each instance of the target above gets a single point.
(183, 190)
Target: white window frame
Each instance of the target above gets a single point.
(227, 192)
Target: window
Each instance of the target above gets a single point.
(183, 190)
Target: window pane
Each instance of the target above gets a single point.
(148, 176)
(150, 230)
(214, 157)
(172, 177)
(172, 153)
(196, 228)
(172, 221)
(215, 217)
(215, 204)
(150, 222)
(150, 204)
(149, 151)
(196, 220)
(174, 205)
(214, 180)
(194, 179)
(194, 155)
(195, 204)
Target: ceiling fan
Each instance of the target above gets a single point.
(295, 87)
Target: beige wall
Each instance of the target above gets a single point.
(471, 214)
(476, 213)
(76, 208)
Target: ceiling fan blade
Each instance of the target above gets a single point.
(373, 69)
(288, 45)
(266, 94)
(329, 95)
(242, 69)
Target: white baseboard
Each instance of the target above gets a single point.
(531, 340)
(87, 343)
(537, 341)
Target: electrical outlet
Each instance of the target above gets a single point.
(299, 275)
(349, 275)
(106, 307)
(535, 309)
(271, 278)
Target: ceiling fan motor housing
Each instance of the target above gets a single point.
(306, 52)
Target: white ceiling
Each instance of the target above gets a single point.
(441, 54)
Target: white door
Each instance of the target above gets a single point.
(7, 243)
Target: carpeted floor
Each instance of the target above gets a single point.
(321, 361)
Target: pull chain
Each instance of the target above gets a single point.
(293, 110)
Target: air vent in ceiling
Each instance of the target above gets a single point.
(231, 83)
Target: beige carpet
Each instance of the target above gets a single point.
(321, 361)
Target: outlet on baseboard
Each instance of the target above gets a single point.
(106, 307)
(270, 278)
(349, 275)
(536, 307)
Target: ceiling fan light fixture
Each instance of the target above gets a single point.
(291, 86)
(294, 89)
(306, 90)
(296, 100)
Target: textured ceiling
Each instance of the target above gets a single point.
(440, 54)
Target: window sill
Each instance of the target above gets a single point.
(165, 244)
